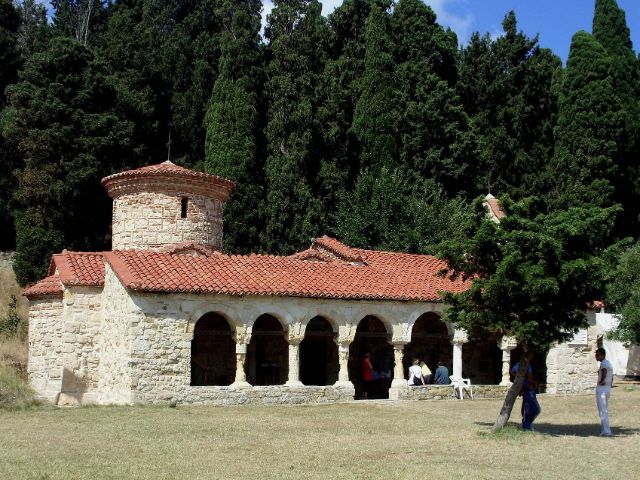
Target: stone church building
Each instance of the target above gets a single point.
(166, 317)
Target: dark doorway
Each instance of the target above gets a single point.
(371, 337)
(319, 354)
(268, 353)
(213, 359)
(482, 361)
(430, 342)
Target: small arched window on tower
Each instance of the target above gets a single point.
(183, 207)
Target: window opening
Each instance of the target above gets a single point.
(183, 207)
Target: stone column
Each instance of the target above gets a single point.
(242, 337)
(400, 337)
(346, 334)
(459, 339)
(506, 344)
(295, 335)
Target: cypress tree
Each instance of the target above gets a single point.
(506, 86)
(9, 63)
(436, 138)
(232, 122)
(297, 35)
(376, 116)
(67, 131)
(611, 30)
(590, 125)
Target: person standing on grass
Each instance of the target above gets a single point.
(603, 390)
(530, 406)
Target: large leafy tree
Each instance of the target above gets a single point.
(507, 88)
(532, 276)
(397, 210)
(232, 122)
(297, 35)
(70, 136)
(589, 128)
(623, 293)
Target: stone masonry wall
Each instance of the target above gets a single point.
(150, 220)
(46, 329)
(114, 349)
(572, 368)
(160, 358)
(81, 336)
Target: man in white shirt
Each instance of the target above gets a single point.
(603, 389)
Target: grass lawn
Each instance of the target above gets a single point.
(360, 440)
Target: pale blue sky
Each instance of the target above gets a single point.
(555, 20)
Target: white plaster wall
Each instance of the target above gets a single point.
(119, 314)
(45, 364)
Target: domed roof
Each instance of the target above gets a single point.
(167, 176)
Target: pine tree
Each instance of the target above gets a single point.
(506, 86)
(297, 35)
(35, 31)
(232, 123)
(589, 127)
(70, 136)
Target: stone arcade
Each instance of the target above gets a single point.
(166, 317)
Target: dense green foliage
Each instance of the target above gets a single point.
(372, 124)
(623, 293)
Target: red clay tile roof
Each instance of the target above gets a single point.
(169, 174)
(49, 286)
(376, 276)
(494, 207)
(79, 268)
(385, 276)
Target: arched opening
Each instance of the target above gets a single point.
(538, 365)
(430, 343)
(212, 351)
(372, 338)
(319, 354)
(482, 361)
(268, 353)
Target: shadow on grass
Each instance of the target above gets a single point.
(559, 430)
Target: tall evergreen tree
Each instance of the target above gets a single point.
(376, 116)
(232, 122)
(164, 57)
(34, 30)
(435, 135)
(297, 35)
(9, 62)
(506, 86)
(611, 30)
(589, 128)
(69, 135)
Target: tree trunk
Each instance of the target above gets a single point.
(514, 390)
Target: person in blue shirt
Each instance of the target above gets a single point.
(442, 374)
(530, 406)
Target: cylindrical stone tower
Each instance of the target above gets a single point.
(165, 204)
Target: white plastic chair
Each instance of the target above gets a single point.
(460, 385)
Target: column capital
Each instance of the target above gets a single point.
(459, 337)
(399, 342)
(507, 343)
(346, 333)
(242, 335)
(295, 334)
(401, 334)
